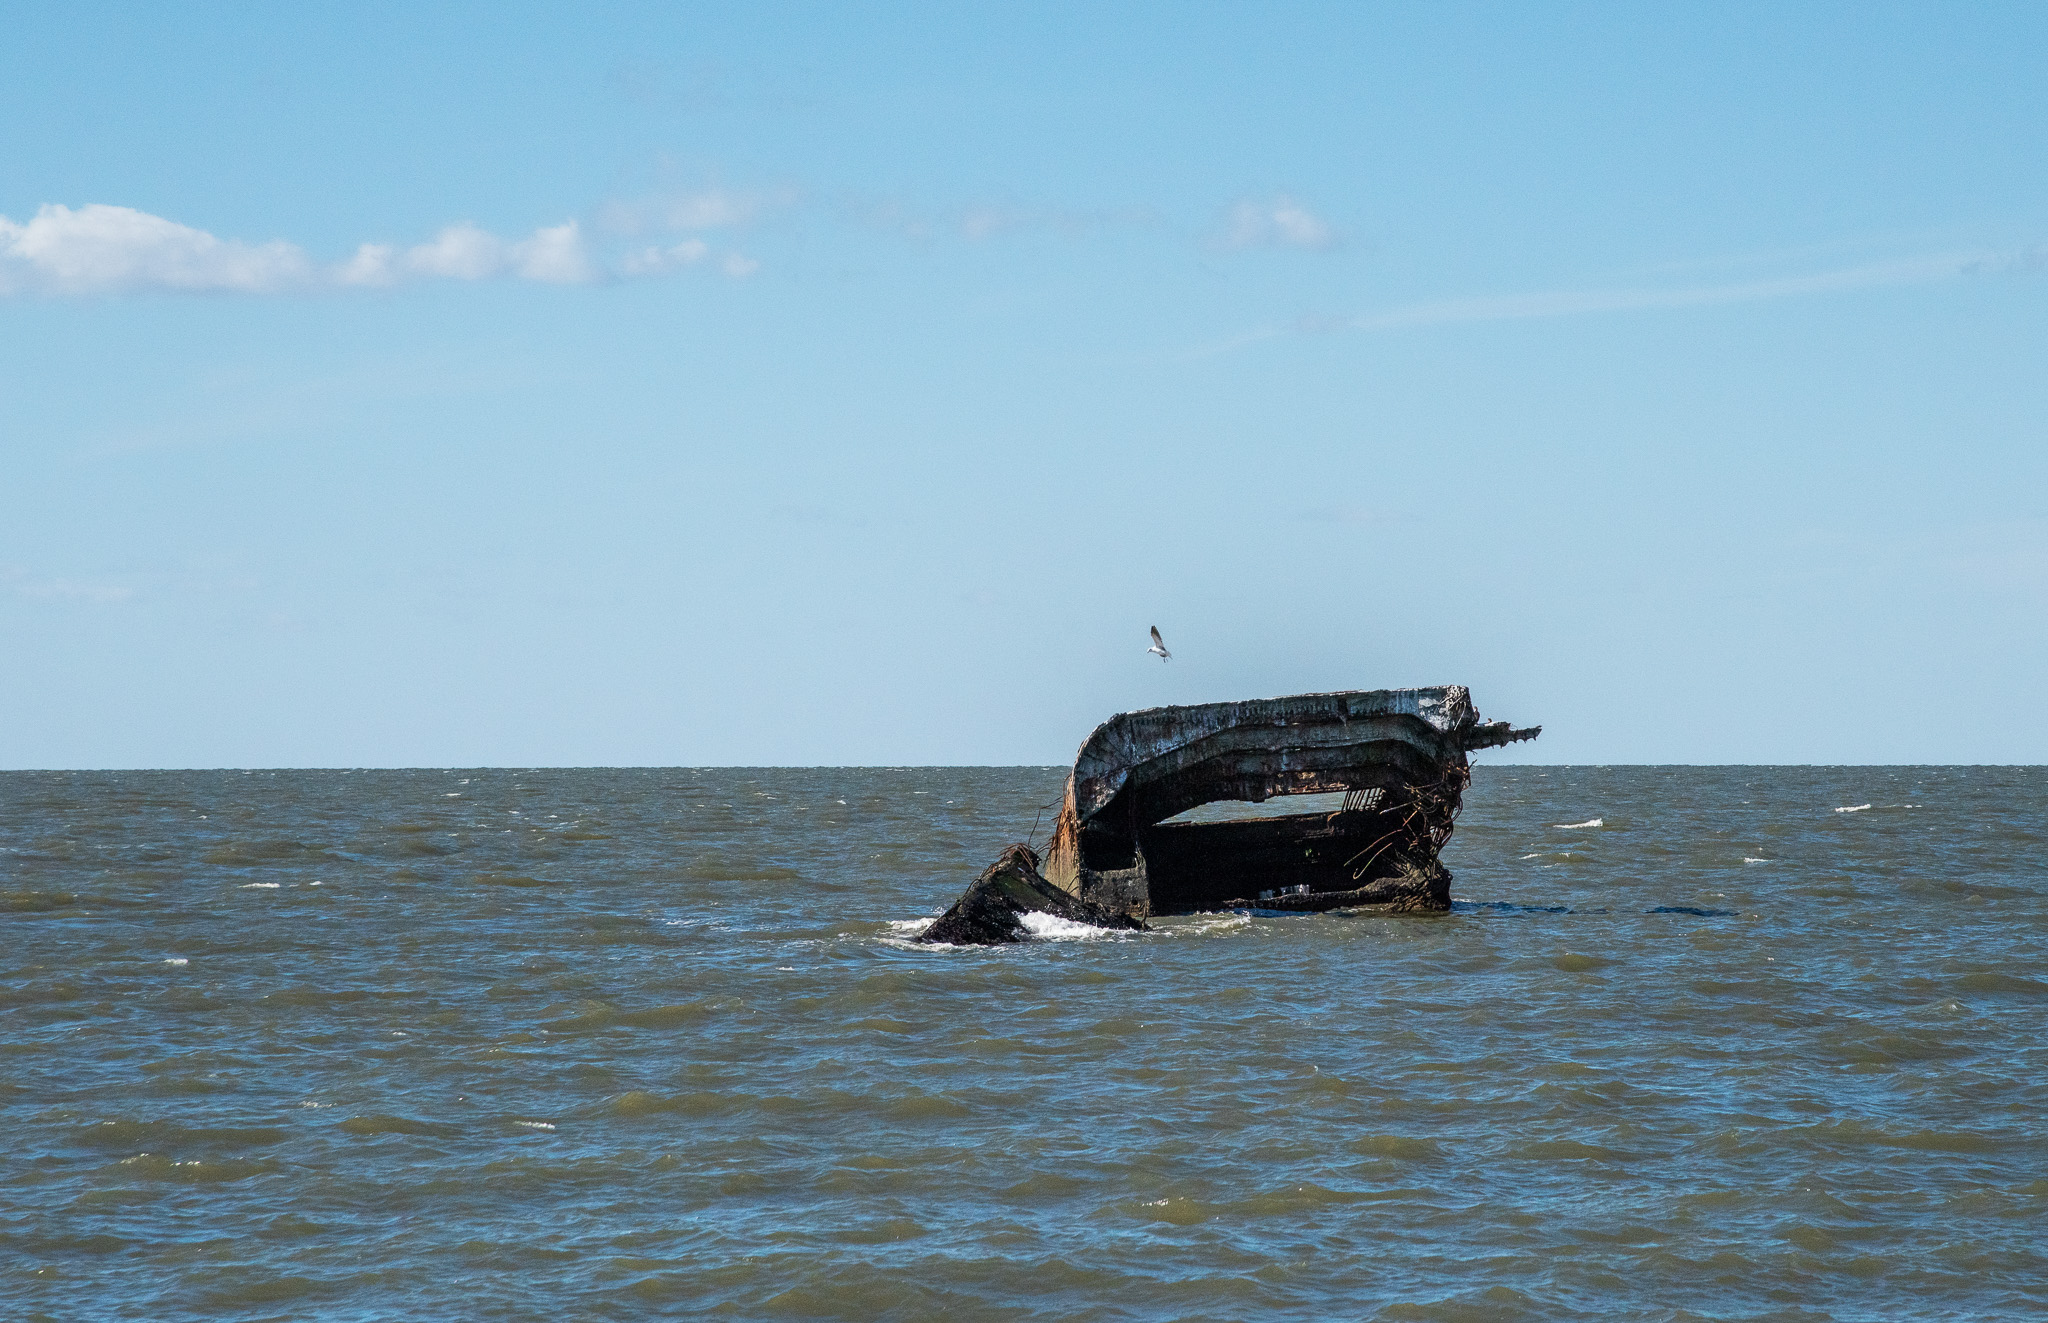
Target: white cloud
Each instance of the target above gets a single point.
(460, 252)
(555, 256)
(373, 264)
(1278, 222)
(100, 249)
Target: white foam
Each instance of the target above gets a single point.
(177, 960)
(1533, 856)
(1752, 859)
(1211, 923)
(1573, 826)
(901, 928)
(1853, 808)
(261, 886)
(1052, 928)
(536, 1125)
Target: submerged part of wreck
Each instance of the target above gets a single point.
(1398, 756)
(994, 907)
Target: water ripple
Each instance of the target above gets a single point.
(540, 1044)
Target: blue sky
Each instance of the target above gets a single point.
(810, 384)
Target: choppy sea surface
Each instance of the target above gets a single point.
(1696, 1043)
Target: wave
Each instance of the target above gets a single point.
(1052, 928)
(1204, 924)
(1573, 826)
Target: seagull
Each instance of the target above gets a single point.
(1159, 645)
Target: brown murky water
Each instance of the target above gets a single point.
(1697, 1043)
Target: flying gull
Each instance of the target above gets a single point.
(1159, 645)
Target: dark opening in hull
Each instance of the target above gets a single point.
(1195, 866)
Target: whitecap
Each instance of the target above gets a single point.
(1571, 826)
(1853, 808)
(1537, 855)
(1752, 859)
(536, 1125)
(1211, 923)
(262, 886)
(1051, 927)
(906, 928)
(177, 960)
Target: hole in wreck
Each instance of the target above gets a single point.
(1285, 846)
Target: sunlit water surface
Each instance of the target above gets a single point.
(1696, 1043)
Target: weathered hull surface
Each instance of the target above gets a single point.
(1398, 754)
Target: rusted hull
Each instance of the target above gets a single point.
(1399, 756)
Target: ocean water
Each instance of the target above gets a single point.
(1723, 1043)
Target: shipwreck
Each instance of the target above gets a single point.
(1121, 850)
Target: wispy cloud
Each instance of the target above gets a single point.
(101, 249)
(658, 259)
(986, 220)
(687, 210)
(1276, 222)
(1575, 303)
(20, 582)
(1571, 303)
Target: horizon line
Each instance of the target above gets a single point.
(873, 767)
